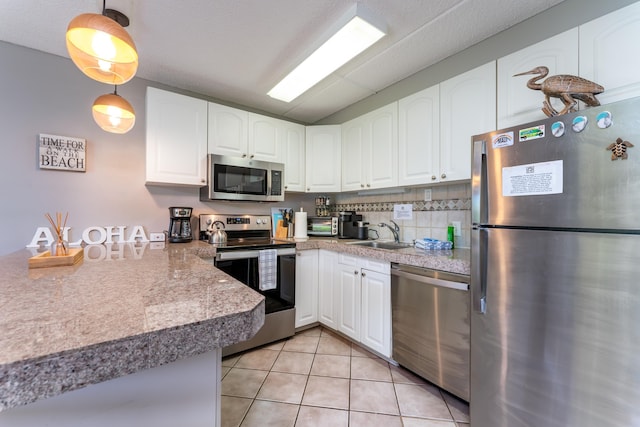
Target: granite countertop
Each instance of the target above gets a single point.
(452, 261)
(123, 308)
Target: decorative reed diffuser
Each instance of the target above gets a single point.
(59, 247)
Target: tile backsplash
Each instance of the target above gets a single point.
(430, 218)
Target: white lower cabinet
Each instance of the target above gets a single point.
(352, 295)
(375, 313)
(364, 296)
(327, 289)
(306, 287)
(348, 282)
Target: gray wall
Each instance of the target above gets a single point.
(42, 93)
(564, 16)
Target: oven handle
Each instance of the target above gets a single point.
(231, 255)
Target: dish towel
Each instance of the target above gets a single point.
(267, 269)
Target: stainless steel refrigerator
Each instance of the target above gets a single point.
(555, 282)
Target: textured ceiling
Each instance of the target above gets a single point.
(237, 50)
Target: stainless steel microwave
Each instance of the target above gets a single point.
(235, 178)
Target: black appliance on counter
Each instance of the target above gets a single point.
(351, 226)
(180, 225)
(247, 235)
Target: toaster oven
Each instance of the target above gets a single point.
(322, 226)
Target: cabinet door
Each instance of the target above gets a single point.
(517, 104)
(348, 283)
(382, 153)
(327, 290)
(610, 53)
(228, 131)
(306, 287)
(265, 138)
(375, 331)
(293, 156)
(354, 154)
(176, 143)
(419, 137)
(323, 154)
(467, 108)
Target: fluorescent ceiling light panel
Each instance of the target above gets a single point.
(356, 36)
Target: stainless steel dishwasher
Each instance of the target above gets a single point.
(430, 325)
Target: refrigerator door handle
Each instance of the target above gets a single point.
(479, 183)
(479, 237)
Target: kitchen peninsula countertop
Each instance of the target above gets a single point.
(122, 309)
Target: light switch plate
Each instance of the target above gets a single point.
(156, 237)
(427, 195)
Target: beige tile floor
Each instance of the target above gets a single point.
(317, 378)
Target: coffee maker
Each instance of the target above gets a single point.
(180, 225)
(351, 226)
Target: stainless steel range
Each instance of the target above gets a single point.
(254, 258)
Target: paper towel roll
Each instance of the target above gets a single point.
(300, 221)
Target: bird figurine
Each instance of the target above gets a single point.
(569, 89)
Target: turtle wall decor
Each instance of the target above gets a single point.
(619, 149)
(569, 89)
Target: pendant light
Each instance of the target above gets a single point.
(101, 48)
(113, 113)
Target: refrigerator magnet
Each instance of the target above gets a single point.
(619, 149)
(557, 129)
(579, 123)
(604, 120)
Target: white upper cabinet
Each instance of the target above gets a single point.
(265, 138)
(323, 154)
(370, 150)
(517, 104)
(228, 131)
(293, 156)
(467, 108)
(238, 133)
(176, 145)
(418, 137)
(610, 53)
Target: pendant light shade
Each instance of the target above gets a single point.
(101, 48)
(113, 113)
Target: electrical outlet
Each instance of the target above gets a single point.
(456, 228)
(156, 237)
(427, 195)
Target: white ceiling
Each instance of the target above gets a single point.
(237, 50)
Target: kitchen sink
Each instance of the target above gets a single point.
(382, 245)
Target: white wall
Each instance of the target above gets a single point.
(43, 93)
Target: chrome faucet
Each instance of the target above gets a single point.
(395, 229)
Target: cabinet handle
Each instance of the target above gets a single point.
(308, 189)
(433, 177)
(203, 180)
(361, 185)
(363, 275)
(368, 185)
(355, 272)
(244, 155)
(251, 156)
(443, 176)
(285, 187)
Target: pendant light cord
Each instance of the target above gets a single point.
(104, 7)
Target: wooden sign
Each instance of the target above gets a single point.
(62, 152)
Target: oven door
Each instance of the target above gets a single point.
(242, 265)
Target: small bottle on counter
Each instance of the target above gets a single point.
(450, 235)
